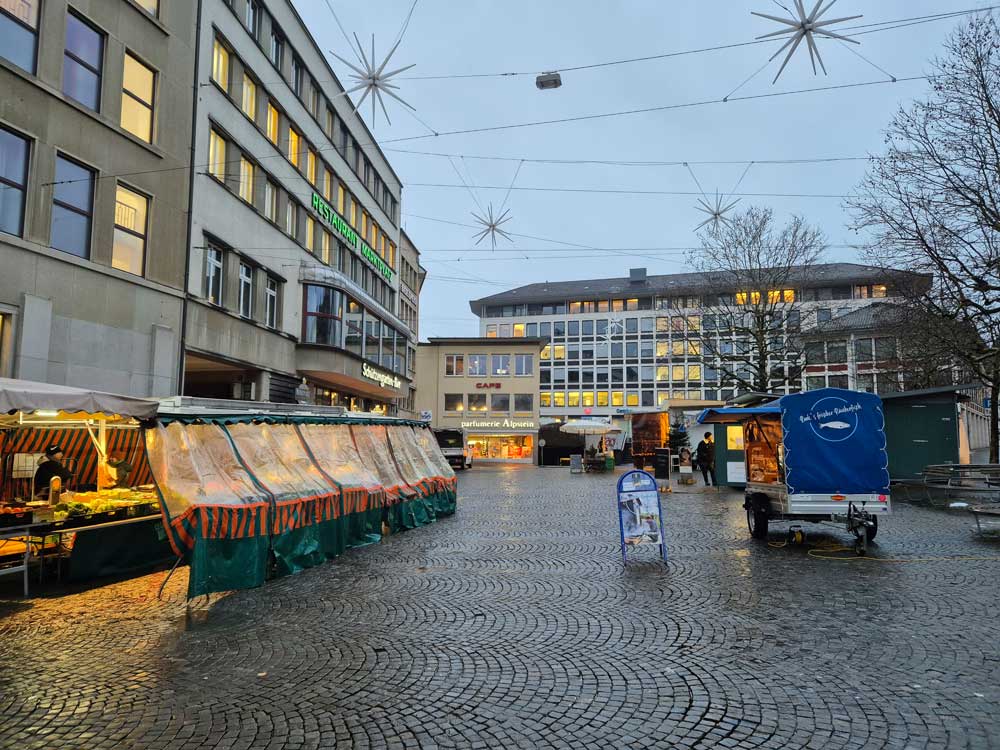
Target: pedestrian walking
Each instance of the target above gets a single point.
(706, 459)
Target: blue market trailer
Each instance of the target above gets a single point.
(818, 456)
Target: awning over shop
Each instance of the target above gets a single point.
(30, 397)
(736, 414)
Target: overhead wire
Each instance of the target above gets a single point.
(621, 191)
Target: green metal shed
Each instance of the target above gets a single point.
(921, 428)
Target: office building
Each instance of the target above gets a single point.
(95, 139)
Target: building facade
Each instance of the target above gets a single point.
(294, 281)
(618, 346)
(95, 141)
(411, 281)
(486, 387)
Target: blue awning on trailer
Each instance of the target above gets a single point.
(736, 414)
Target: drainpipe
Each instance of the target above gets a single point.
(191, 174)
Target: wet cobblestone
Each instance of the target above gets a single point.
(514, 625)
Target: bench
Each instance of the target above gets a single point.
(992, 512)
(938, 484)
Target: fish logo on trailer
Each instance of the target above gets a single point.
(833, 419)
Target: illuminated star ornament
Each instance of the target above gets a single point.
(491, 225)
(374, 80)
(806, 26)
(716, 211)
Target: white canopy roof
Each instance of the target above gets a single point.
(28, 396)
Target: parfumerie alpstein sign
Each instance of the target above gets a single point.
(335, 220)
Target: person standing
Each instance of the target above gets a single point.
(706, 459)
(51, 466)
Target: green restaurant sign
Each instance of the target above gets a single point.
(335, 220)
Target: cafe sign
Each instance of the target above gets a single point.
(335, 220)
(384, 379)
(499, 424)
(496, 386)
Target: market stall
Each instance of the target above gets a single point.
(75, 487)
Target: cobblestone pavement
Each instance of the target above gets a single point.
(514, 624)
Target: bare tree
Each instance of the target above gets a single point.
(932, 204)
(753, 267)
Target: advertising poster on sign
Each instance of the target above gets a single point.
(639, 518)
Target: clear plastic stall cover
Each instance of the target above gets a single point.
(195, 465)
(373, 444)
(413, 465)
(336, 455)
(429, 445)
(277, 459)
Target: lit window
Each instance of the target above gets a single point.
(454, 402)
(662, 349)
(325, 249)
(678, 373)
(137, 99)
(216, 155)
(879, 290)
(220, 65)
(662, 374)
(694, 372)
(128, 252)
(311, 167)
(573, 398)
(310, 233)
(477, 402)
(246, 290)
(454, 365)
(632, 399)
(328, 185)
(788, 295)
(294, 145)
(82, 62)
(271, 201)
(354, 213)
(291, 218)
(677, 348)
(213, 275)
(19, 32)
(559, 398)
(249, 97)
(602, 398)
(587, 398)
(617, 398)
(491, 332)
(72, 207)
(694, 348)
(341, 198)
(617, 305)
(545, 399)
(246, 180)
(271, 303)
(519, 330)
(272, 123)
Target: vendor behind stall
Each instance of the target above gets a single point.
(50, 466)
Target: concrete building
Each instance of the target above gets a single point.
(624, 345)
(487, 387)
(95, 138)
(411, 277)
(294, 282)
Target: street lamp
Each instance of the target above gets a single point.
(548, 80)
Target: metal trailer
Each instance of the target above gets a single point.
(455, 447)
(818, 456)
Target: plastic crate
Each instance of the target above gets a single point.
(20, 518)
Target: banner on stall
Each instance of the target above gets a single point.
(640, 518)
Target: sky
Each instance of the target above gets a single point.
(562, 235)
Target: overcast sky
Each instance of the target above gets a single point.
(525, 36)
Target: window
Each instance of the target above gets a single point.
(220, 65)
(249, 97)
(246, 290)
(272, 123)
(311, 166)
(277, 50)
(694, 372)
(815, 354)
(271, 303)
(525, 402)
(310, 233)
(325, 246)
(453, 402)
(291, 218)
(500, 402)
(477, 402)
(129, 250)
(477, 365)
(137, 99)
(491, 331)
(271, 201)
(524, 364)
(82, 63)
(885, 349)
(216, 155)
(19, 32)
(500, 364)
(150, 6)
(617, 398)
(323, 317)
(294, 146)
(327, 185)
(545, 399)
(252, 18)
(297, 76)
(213, 275)
(677, 372)
(454, 365)
(246, 180)
(823, 315)
(13, 181)
(836, 352)
(863, 350)
(72, 208)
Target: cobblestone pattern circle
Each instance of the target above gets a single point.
(515, 625)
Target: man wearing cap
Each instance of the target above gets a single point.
(51, 467)
(706, 458)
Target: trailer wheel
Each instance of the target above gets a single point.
(757, 522)
(873, 529)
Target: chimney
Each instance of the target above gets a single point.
(637, 275)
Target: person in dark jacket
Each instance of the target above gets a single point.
(51, 467)
(706, 459)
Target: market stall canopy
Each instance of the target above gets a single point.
(29, 397)
(587, 427)
(736, 414)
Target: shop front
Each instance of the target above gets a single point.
(502, 440)
(333, 379)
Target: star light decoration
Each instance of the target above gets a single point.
(374, 80)
(716, 211)
(491, 225)
(805, 26)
